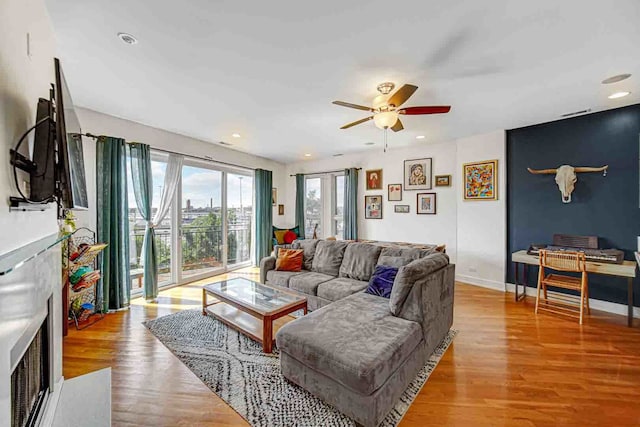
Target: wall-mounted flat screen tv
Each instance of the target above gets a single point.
(73, 184)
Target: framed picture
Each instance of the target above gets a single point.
(443, 180)
(374, 179)
(426, 204)
(280, 209)
(480, 180)
(373, 207)
(401, 208)
(417, 174)
(395, 192)
(274, 196)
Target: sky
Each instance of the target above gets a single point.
(200, 186)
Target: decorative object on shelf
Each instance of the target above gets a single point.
(401, 208)
(374, 179)
(83, 301)
(566, 177)
(417, 174)
(373, 207)
(274, 196)
(280, 209)
(426, 204)
(443, 180)
(480, 180)
(395, 192)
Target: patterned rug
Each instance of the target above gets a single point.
(234, 367)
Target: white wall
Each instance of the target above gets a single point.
(103, 124)
(482, 225)
(474, 232)
(23, 79)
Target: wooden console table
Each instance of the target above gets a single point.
(626, 270)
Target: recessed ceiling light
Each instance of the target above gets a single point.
(337, 155)
(307, 155)
(235, 135)
(618, 95)
(369, 143)
(420, 137)
(127, 38)
(225, 143)
(616, 79)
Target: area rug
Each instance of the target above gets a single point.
(234, 367)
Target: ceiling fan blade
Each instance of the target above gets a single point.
(349, 105)
(401, 95)
(433, 109)
(397, 127)
(347, 126)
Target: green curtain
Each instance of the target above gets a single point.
(263, 183)
(140, 156)
(351, 204)
(113, 224)
(300, 204)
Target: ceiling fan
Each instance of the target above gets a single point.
(386, 111)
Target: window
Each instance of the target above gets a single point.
(313, 207)
(338, 206)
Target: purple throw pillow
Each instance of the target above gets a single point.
(381, 282)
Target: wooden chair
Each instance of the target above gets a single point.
(559, 303)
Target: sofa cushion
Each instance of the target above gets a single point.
(281, 278)
(339, 288)
(308, 282)
(309, 248)
(359, 261)
(410, 254)
(328, 257)
(410, 273)
(355, 341)
(393, 261)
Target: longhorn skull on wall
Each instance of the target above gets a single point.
(566, 177)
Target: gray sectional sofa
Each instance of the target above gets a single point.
(356, 351)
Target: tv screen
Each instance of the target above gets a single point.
(73, 184)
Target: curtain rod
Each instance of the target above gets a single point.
(320, 173)
(207, 158)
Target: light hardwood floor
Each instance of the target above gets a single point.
(505, 367)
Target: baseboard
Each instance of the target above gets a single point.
(490, 284)
(596, 304)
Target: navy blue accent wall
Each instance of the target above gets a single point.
(607, 207)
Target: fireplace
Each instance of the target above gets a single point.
(30, 380)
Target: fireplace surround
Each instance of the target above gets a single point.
(31, 325)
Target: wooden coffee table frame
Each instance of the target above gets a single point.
(249, 320)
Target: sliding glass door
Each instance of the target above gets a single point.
(208, 228)
(201, 221)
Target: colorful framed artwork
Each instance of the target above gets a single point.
(443, 180)
(401, 208)
(417, 174)
(274, 196)
(426, 204)
(373, 207)
(480, 180)
(374, 179)
(280, 209)
(394, 192)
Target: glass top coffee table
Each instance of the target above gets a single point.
(251, 308)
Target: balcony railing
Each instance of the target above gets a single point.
(202, 248)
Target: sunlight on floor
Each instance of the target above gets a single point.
(189, 296)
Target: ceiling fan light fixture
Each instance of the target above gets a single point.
(385, 119)
(386, 88)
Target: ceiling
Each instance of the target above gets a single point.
(269, 70)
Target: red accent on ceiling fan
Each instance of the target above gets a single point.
(441, 109)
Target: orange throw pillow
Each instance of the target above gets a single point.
(289, 260)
